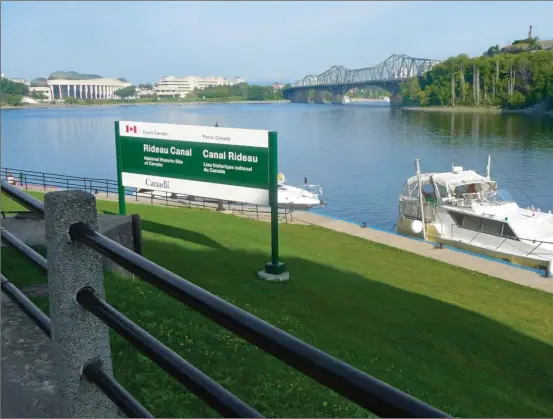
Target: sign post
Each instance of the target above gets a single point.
(275, 267)
(120, 187)
(227, 164)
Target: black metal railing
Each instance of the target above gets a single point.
(33, 180)
(92, 372)
(359, 387)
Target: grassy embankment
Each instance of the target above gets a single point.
(471, 345)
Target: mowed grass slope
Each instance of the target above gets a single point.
(471, 345)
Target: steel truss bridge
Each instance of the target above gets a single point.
(338, 80)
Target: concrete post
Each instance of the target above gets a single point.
(59, 88)
(78, 337)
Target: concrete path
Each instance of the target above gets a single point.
(453, 257)
(27, 371)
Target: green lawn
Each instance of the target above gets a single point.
(471, 345)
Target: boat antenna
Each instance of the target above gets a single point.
(305, 180)
(216, 125)
(488, 167)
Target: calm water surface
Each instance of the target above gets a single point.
(361, 154)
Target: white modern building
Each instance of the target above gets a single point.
(182, 86)
(102, 88)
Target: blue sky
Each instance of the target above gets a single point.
(261, 41)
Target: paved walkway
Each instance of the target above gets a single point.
(27, 370)
(489, 267)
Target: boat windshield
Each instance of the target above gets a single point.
(490, 197)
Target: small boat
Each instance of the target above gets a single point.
(346, 99)
(466, 210)
(289, 197)
(298, 198)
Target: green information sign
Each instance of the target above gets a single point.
(221, 163)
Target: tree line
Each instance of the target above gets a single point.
(12, 92)
(511, 81)
(241, 91)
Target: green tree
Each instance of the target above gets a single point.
(126, 92)
(512, 81)
(38, 95)
(14, 100)
(13, 88)
(492, 51)
(70, 100)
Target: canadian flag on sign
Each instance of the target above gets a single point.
(131, 128)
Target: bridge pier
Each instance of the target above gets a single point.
(301, 96)
(319, 96)
(337, 99)
(396, 100)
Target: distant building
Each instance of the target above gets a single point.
(182, 86)
(144, 92)
(237, 80)
(278, 86)
(80, 86)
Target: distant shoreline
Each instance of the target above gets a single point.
(67, 105)
(469, 109)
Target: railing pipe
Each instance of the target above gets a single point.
(115, 391)
(196, 381)
(30, 253)
(27, 306)
(369, 392)
(23, 198)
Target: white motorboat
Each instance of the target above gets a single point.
(298, 198)
(466, 210)
(289, 197)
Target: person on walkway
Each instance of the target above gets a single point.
(11, 180)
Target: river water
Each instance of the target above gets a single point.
(360, 153)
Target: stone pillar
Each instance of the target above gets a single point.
(78, 337)
(396, 100)
(337, 99)
(52, 92)
(61, 94)
(81, 91)
(319, 96)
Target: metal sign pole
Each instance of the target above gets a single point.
(274, 270)
(120, 187)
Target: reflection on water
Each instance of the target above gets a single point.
(361, 153)
(486, 129)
